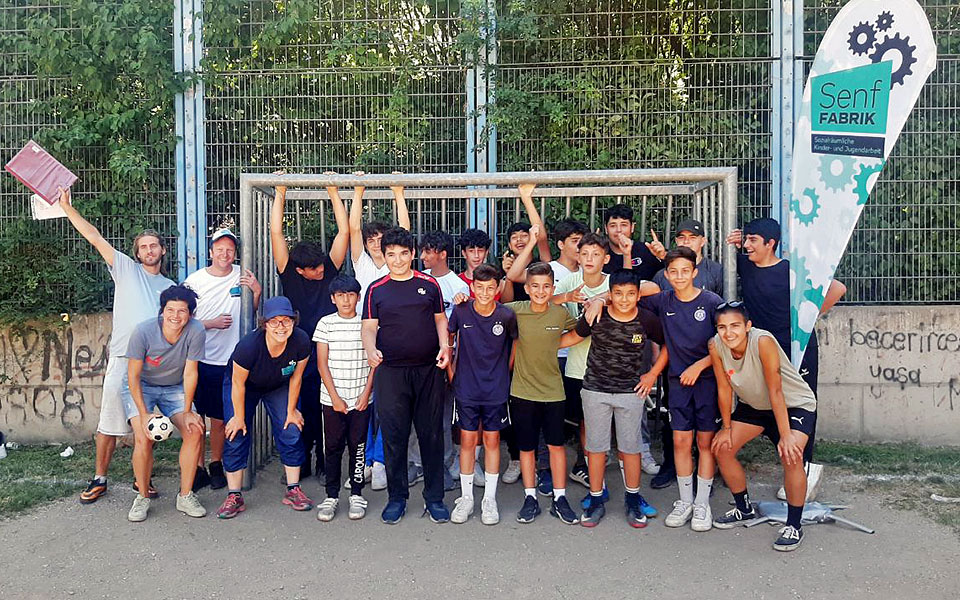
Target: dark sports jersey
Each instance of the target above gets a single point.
(642, 260)
(268, 373)
(311, 298)
(687, 326)
(766, 294)
(406, 313)
(709, 277)
(483, 353)
(618, 355)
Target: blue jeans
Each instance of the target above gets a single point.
(236, 452)
(168, 398)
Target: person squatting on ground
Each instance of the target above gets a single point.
(162, 358)
(686, 315)
(536, 391)
(617, 379)
(765, 284)
(267, 366)
(305, 273)
(773, 401)
(218, 288)
(345, 397)
(405, 339)
(484, 331)
(138, 283)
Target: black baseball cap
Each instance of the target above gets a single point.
(691, 225)
(765, 227)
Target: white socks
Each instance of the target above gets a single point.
(559, 493)
(686, 488)
(466, 485)
(703, 491)
(490, 485)
(530, 492)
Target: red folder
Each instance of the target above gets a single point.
(35, 168)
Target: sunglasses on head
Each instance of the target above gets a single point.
(730, 304)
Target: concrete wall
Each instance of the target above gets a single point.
(886, 374)
(890, 373)
(51, 377)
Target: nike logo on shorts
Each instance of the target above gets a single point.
(669, 314)
(465, 326)
(504, 420)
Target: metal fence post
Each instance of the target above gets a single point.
(191, 144)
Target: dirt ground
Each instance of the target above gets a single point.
(66, 550)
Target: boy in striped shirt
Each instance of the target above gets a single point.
(344, 396)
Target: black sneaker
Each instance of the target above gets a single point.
(201, 480)
(665, 478)
(561, 510)
(529, 510)
(581, 475)
(734, 517)
(218, 479)
(789, 540)
(545, 482)
(593, 512)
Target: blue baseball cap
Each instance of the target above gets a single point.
(278, 306)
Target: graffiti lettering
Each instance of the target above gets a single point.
(901, 375)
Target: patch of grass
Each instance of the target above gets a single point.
(32, 475)
(890, 459)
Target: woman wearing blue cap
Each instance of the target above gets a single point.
(267, 365)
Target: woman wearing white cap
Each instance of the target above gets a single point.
(267, 365)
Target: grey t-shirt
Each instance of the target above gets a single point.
(136, 298)
(163, 362)
(709, 277)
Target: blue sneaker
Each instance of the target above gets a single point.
(561, 510)
(393, 511)
(529, 510)
(647, 510)
(603, 498)
(439, 513)
(414, 474)
(545, 482)
(635, 517)
(593, 513)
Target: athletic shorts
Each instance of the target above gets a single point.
(530, 418)
(626, 410)
(470, 416)
(801, 420)
(694, 407)
(168, 398)
(113, 418)
(208, 401)
(573, 403)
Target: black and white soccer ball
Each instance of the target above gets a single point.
(159, 427)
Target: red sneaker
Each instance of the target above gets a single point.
(231, 507)
(297, 500)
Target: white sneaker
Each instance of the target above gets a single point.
(478, 478)
(190, 505)
(138, 512)
(327, 509)
(649, 464)
(378, 480)
(681, 513)
(489, 514)
(463, 508)
(814, 476)
(358, 507)
(702, 518)
(512, 473)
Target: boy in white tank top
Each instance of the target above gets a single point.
(773, 401)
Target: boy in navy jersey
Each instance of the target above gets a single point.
(405, 337)
(686, 313)
(484, 330)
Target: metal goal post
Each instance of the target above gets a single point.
(490, 201)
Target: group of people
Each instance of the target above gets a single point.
(419, 375)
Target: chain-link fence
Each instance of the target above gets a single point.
(383, 85)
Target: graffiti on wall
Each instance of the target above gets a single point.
(51, 375)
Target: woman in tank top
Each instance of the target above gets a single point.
(773, 401)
